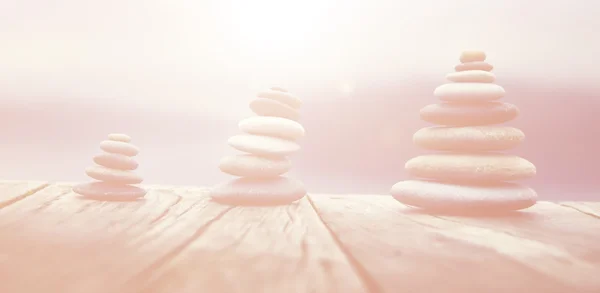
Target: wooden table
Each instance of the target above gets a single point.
(178, 241)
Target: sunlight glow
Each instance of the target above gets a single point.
(347, 88)
(275, 26)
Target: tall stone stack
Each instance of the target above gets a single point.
(471, 174)
(268, 140)
(114, 172)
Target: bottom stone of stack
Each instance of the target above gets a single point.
(479, 199)
(109, 191)
(258, 191)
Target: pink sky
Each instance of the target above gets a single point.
(206, 54)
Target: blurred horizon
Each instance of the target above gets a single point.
(351, 146)
(178, 75)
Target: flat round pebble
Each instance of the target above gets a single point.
(468, 138)
(112, 175)
(272, 126)
(472, 56)
(116, 161)
(471, 76)
(283, 97)
(476, 65)
(268, 107)
(259, 192)
(119, 137)
(469, 92)
(480, 199)
(263, 145)
(255, 166)
(109, 192)
(464, 114)
(470, 168)
(279, 89)
(119, 147)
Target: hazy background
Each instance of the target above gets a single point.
(178, 75)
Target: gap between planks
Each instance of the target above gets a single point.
(370, 283)
(14, 191)
(587, 208)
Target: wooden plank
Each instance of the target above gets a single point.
(547, 249)
(177, 240)
(13, 191)
(56, 242)
(563, 243)
(254, 249)
(566, 240)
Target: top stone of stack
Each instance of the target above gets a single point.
(471, 97)
(473, 60)
(472, 56)
(282, 96)
(119, 137)
(279, 89)
(472, 81)
(277, 102)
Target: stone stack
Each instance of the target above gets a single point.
(114, 172)
(268, 140)
(471, 175)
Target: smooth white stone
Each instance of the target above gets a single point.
(479, 199)
(253, 166)
(263, 145)
(469, 92)
(471, 76)
(113, 176)
(105, 191)
(283, 97)
(119, 147)
(272, 126)
(119, 137)
(472, 56)
(272, 108)
(116, 161)
(259, 192)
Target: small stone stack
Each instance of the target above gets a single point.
(114, 170)
(269, 138)
(471, 176)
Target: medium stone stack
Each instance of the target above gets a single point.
(472, 175)
(114, 172)
(267, 142)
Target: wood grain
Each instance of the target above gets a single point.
(53, 241)
(560, 242)
(254, 249)
(399, 249)
(178, 240)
